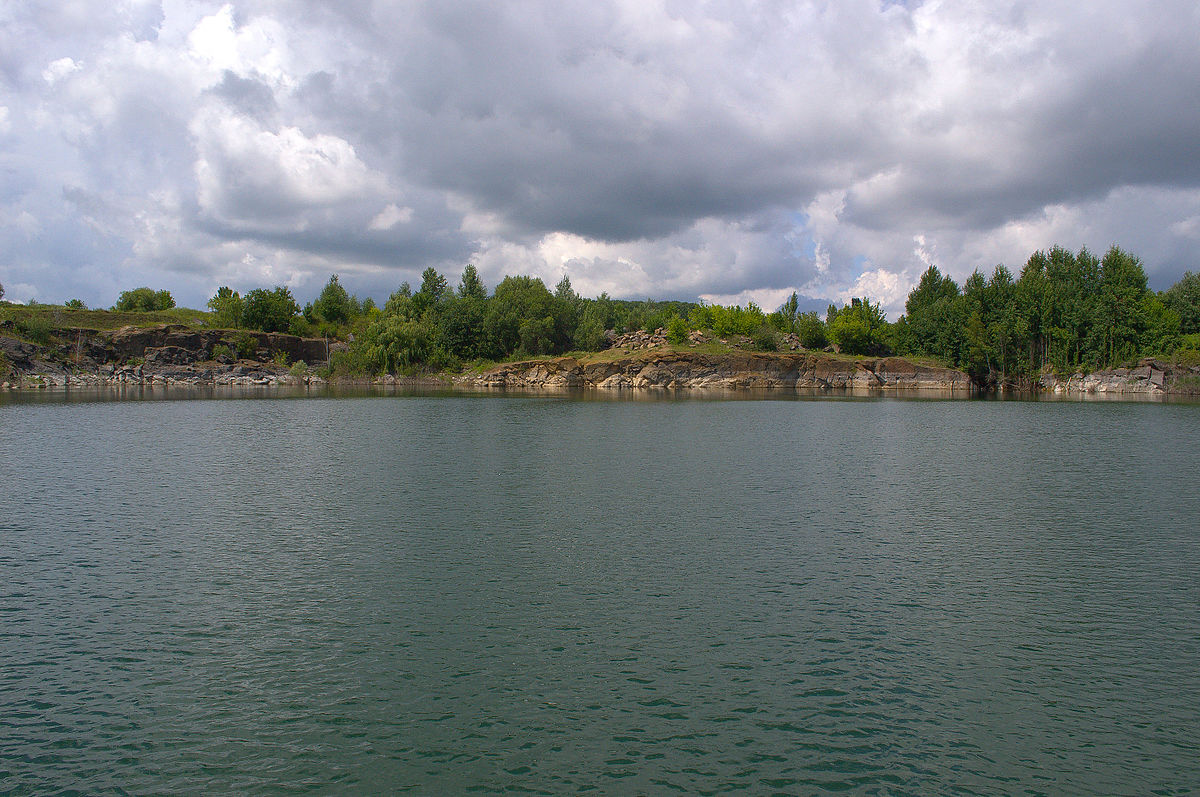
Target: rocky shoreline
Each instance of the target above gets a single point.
(168, 354)
(738, 370)
(1151, 377)
(186, 356)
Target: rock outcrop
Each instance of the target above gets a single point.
(1149, 378)
(737, 370)
(167, 354)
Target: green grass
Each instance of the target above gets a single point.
(58, 317)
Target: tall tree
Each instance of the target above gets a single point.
(1184, 298)
(334, 304)
(471, 287)
(270, 311)
(227, 306)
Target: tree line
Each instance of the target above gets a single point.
(1064, 311)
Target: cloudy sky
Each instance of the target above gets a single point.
(647, 148)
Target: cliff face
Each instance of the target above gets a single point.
(170, 353)
(735, 370)
(1151, 377)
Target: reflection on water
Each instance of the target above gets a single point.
(193, 393)
(487, 593)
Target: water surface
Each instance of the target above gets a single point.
(545, 595)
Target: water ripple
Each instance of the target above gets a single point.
(470, 595)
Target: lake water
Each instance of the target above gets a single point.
(548, 595)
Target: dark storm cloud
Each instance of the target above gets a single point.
(643, 147)
(246, 96)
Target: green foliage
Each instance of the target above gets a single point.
(765, 338)
(222, 352)
(280, 357)
(270, 311)
(460, 326)
(246, 346)
(433, 292)
(677, 330)
(334, 304)
(1, 290)
(144, 300)
(75, 304)
(227, 307)
(857, 328)
(727, 321)
(36, 328)
(1067, 311)
(390, 344)
(1184, 299)
(589, 334)
(810, 329)
(935, 316)
(785, 319)
(470, 286)
(564, 292)
(298, 368)
(521, 317)
(300, 327)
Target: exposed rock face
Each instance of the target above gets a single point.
(736, 370)
(170, 354)
(196, 343)
(1150, 377)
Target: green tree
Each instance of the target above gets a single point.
(934, 318)
(75, 304)
(857, 328)
(677, 330)
(434, 290)
(1183, 297)
(516, 301)
(270, 311)
(227, 307)
(785, 318)
(594, 319)
(811, 331)
(144, 300)
(460, 326)
(334, 305)
(1122, 291)
(470, 286)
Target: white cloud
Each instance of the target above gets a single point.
(644, 148)
(390, 216)
(246, 174)
(58, 69)
(890, 289)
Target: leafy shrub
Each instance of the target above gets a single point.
(280, 357)
(270, 311)
(221, 351)
(765, 338)
(298, 368)
(144, 300)
(247, 346)
(75, 304)
(811, 331)
(35, 329)
(227, 307)
(334, 305)
(300, 327)
(677, 330)
(856, 328)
